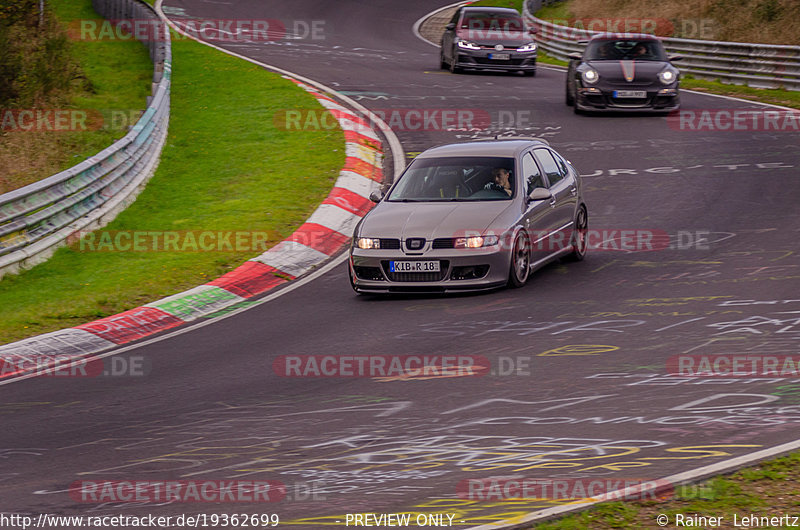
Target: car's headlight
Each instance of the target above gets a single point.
(475, 241)
(366, 243)
(667, 75)
(468, 45)
(590, 76)
(530, 47)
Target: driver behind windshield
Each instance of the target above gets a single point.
(500, 180)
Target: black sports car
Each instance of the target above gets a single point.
(623, 73)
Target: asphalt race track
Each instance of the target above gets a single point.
(587, 344)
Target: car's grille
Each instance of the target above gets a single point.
(369, 273)
(416, 276)
(443, 242)
(472, 272)
(391, 244)
(486, 60)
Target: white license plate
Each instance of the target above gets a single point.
(414, 266)
(630, 94)
(500, 56)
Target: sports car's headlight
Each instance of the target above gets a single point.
(366, 243)
(530, 47)
(468, 45)
(667, 75)
(590, 76)
(475, 241)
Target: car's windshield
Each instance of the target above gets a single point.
(456, 179)
(492, 22)
(625, 50)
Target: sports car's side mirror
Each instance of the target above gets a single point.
(540, 194)
(575, 56)
(450, 27)
(672, 58)
(376, 196)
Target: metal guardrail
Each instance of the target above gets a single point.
(38, 218)
(739, 63)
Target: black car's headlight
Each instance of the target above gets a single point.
(530, 47)
(475, 242)
(668, 75)
(590, 76)
(468, 45)
(367, 243)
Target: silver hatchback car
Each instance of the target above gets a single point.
(471, 216)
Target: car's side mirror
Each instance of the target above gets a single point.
(376, 196)
(534, 30)
(575, 56)
(450, 27)
(672, 58)
(540, 194)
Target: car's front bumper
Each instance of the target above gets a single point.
(460, 270)
(480, 59)
(602, 99)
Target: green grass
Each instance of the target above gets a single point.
(556, 13)
(771, 488)
(112, 76)
(225, 167)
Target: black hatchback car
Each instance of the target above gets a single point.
(488, 38)
(623, 72)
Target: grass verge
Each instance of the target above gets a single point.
(769, 489)
(110, 75)
(225, 167)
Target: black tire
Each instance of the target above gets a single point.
(442, 63)
(579, 236)
(454, 69)
(569, 99)
(520, 268)
(529, 73)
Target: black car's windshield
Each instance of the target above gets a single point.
(625, 50)
(456, 179)
(492, 22)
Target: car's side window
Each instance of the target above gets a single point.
(549, 165)
(561, 163)
(531, 173)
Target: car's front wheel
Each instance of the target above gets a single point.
(442, 63)
(570, 99)
(454, 68)
(520, 267)
(579, 235)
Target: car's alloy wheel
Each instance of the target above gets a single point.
(579, 235)
(520, 262)
(453, 67)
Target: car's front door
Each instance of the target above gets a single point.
(535, 217)
(561, 183)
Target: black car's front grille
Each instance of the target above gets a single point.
(443, 242)
(369, 273)
(416, 276)
(486, 60)
(391, 244)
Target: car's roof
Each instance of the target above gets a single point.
(624, 36)
(498, 10)
(506, 148)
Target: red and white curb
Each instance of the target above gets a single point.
(323, 234)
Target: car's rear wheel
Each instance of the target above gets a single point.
(579, 240)
(520, 267)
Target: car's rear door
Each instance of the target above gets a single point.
(562, 185)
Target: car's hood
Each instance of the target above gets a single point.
(509, 39)
(623, 72)
(430, 220)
